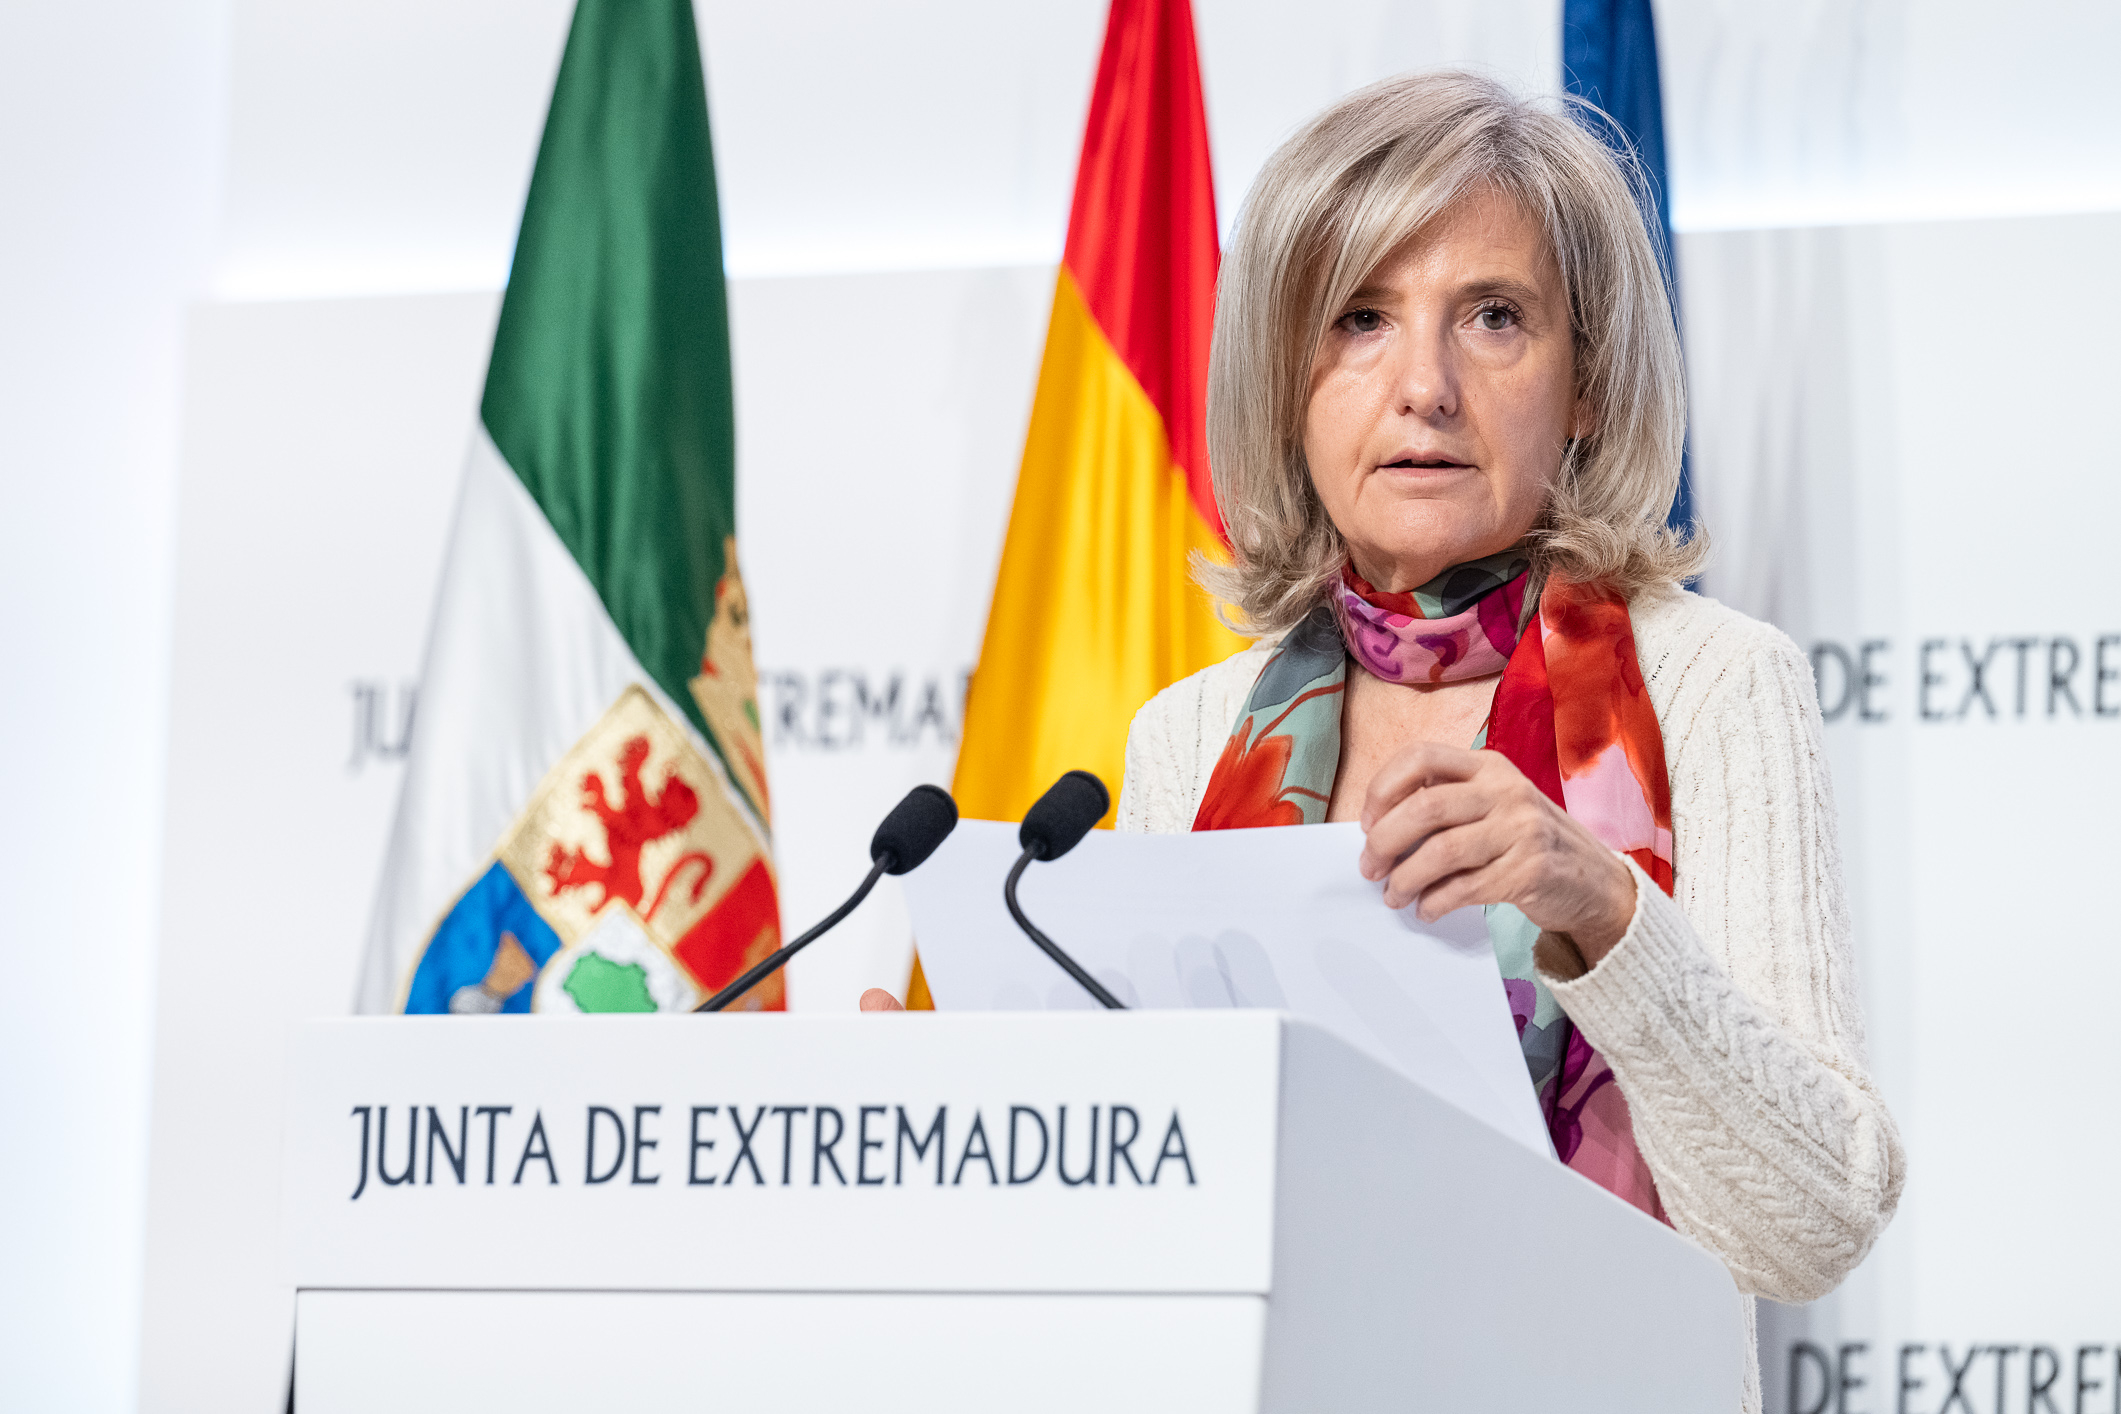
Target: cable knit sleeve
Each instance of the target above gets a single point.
(1729, 1013)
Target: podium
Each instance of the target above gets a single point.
(1200, 1210)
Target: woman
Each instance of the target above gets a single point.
(1445, 413)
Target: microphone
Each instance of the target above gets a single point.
(1052, 827)
(909, 834)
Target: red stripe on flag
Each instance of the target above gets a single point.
(1141, 237)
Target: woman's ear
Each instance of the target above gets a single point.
(1583, 420)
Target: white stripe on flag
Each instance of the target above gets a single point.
(522, 660)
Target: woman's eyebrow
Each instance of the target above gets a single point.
(1506, 286)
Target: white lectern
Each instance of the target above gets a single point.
(1222, 1210)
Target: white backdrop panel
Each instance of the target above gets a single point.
(1904, 440)
(109, 146)
(322, 447)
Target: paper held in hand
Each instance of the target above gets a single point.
(1273, 918)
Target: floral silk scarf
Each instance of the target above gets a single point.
(1570, 712)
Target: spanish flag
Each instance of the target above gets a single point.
(1094, 611)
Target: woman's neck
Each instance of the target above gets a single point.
(1379, 719)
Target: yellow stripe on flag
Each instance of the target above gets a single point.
(1094, 611)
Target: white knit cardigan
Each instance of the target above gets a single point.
(1728, 1013)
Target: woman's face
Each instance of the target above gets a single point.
(1442, 395)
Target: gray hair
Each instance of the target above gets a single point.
(1330, 205)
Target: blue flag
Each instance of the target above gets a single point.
(1609, 59)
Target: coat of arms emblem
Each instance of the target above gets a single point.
(632, 880)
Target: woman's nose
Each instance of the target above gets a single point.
(1427, 376)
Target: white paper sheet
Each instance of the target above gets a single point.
(1232, 918)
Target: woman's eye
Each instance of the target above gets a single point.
(1494, 319)
(1362, 321)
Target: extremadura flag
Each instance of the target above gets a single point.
(583, 825)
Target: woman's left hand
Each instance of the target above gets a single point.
(1451, 828)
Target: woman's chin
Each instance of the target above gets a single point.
(1434, 533)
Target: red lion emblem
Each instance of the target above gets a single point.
(637, 821)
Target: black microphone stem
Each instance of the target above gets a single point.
(1068, 964)
(773, 964)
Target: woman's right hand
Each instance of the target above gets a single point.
(877, 999)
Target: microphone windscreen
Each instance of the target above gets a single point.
(915, 826)
(1064, 814)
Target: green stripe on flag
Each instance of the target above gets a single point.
(609, 392)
